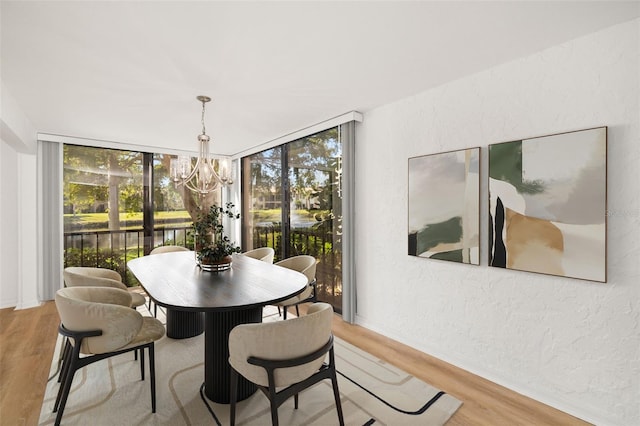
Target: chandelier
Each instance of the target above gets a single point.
(202, 178)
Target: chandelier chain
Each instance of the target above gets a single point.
(202, 119)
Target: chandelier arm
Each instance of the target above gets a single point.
(194, 171)
(195, 177)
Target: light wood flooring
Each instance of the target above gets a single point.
(27, 339)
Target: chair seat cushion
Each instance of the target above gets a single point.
(297, 299)
(137, 299)
(151, 330)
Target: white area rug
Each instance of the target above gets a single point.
(373, 392)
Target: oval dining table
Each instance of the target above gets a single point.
(227, 298)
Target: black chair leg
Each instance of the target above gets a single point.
(336, 395)
(64, 373)
(233, 396)
(65, 387)
(152, 373)
(284, 308)
(141, 363)
(297, 311)
(295, 401)
(65, 361)
(334, 384)
(274, 413)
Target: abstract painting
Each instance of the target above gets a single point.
(547, 201)
(444, 210)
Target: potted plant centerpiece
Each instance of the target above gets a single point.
(213, 248)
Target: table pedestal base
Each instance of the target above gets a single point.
(184, 324)
(217, 370)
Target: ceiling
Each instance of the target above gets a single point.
(130, 71)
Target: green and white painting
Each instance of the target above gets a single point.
(444, 206)
(547, 201)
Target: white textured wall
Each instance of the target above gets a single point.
(570, 343)
(8, 233)
(18, 237)
(15, 128)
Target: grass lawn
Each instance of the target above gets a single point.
(88, 218)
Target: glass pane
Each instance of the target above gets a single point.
(312, 203)
(103, 203)
(315, 209)
(262, 201)
(172, 222)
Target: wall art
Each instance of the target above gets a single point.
(547, 201)
(444, 212)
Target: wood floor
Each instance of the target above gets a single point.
(27, 339)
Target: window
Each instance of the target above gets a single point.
(171, 221)
(118, 205)
(298, 211)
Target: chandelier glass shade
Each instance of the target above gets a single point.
(208, 173)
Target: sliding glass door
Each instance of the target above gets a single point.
(262, 201)
(119, 205)
(103, 206)
(298, 211)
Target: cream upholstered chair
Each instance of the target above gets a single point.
(168, 249)
(284, 354)
(307, 265)
(263, 253)
(99, 323)
(87, 276)
(158, 250)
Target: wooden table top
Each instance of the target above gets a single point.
(173, 280)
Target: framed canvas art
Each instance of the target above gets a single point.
(444, 211)
(548, 202)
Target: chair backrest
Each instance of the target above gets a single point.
(263, 253)
(168, 249)
(302, 263)
(84, 276)
(281, 340)
(99, 308)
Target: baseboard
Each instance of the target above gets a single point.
(28, 304)
(8, 304)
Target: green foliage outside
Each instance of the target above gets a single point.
(105, 258)
(317, 241)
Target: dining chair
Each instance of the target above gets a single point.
(168, 249)
(159, 250)
(307, 265)
(263, 253)
(88, 276)
(284, 357)
(85, 276)
(99, 323)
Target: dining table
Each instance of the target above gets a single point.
(227, 298)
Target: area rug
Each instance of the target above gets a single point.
(372, 392)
